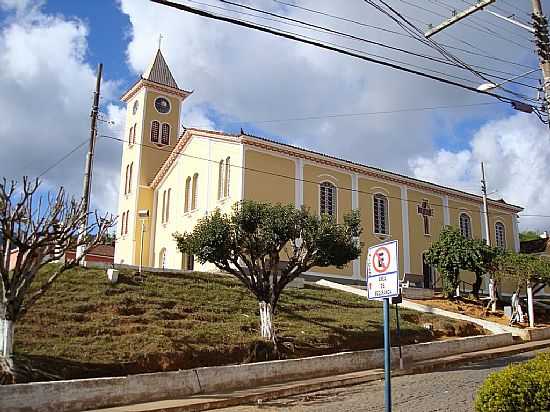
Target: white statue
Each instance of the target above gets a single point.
(492, 296)
(517, 311)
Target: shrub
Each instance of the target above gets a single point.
(518, 387)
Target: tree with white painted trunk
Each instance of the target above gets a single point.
(266, 246)
(37, 229)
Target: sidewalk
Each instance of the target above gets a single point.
(223, 400)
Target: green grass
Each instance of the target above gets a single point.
(85, 326)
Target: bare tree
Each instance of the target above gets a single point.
(41, 228)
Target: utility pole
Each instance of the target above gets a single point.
(485, 207)
(542, 41)
(87, 184)
(540, 25)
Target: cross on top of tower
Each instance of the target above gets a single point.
(160, 40)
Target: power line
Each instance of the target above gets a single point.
(347, 35)
(383, 29)
(59, 161)
(343, 115)
(297, 38)
(513, 6)
(419, 34)
(479, 21)
(283, 176)
(480, 29)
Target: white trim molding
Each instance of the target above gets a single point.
(355, 206)
(446, 214)
(299, 183)
(405, 223)
(515, 232)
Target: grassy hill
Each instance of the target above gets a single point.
(86, 327)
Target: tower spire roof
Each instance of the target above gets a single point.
(159, 72)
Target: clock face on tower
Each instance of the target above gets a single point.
(162, 105)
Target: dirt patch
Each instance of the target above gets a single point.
(476, 309)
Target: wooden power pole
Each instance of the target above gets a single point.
(87, 184)
(540, 25)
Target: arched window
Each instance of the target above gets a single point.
(221, 170)
(122, 220)
(194, 191)
(167, 216)
(380, 213)
(130, 132)
(187, 194)
(227, 177)
(500, 235)
(163, 206)
(126, 179)
(155, 131)
(327, 199)
(165, 138)
(126, 223)
(162, 258)
(134, 133)
(130, 178)
(465, 226)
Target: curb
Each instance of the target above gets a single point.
(217, 401)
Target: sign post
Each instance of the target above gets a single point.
(383, 284)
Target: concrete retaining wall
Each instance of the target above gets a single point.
(78, 395)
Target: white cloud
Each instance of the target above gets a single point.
(251, 76)
(516, 153)
(46, 97)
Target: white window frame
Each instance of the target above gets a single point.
(470, 228)
(497, 223)
(387, 211)
(334, 197)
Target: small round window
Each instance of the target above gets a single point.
(135, 107)
(162, 105)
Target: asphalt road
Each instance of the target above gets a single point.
(452, 389)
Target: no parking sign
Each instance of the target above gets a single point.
(383, 271)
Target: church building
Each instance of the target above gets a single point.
(170, 178)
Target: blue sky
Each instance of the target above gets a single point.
(108, 36)
(240, 76)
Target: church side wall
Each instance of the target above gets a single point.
(268, 177)
(421, 242)
(368, 187)
(313, 176)
(406, 224)
(201, 155)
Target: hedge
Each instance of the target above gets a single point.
(518, 387)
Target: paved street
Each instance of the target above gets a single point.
(449, 390)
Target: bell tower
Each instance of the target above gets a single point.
(153, 107)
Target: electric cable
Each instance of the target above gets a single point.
(316, 43)
(342, 115)
(483, 53)
(62, 159)
(324, 29)
(283, 176)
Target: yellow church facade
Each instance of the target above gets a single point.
(170, 180)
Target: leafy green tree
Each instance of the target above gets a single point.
(266, 246)
(483, 259)
(522, 268)
(527, 235)
(451, 253)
